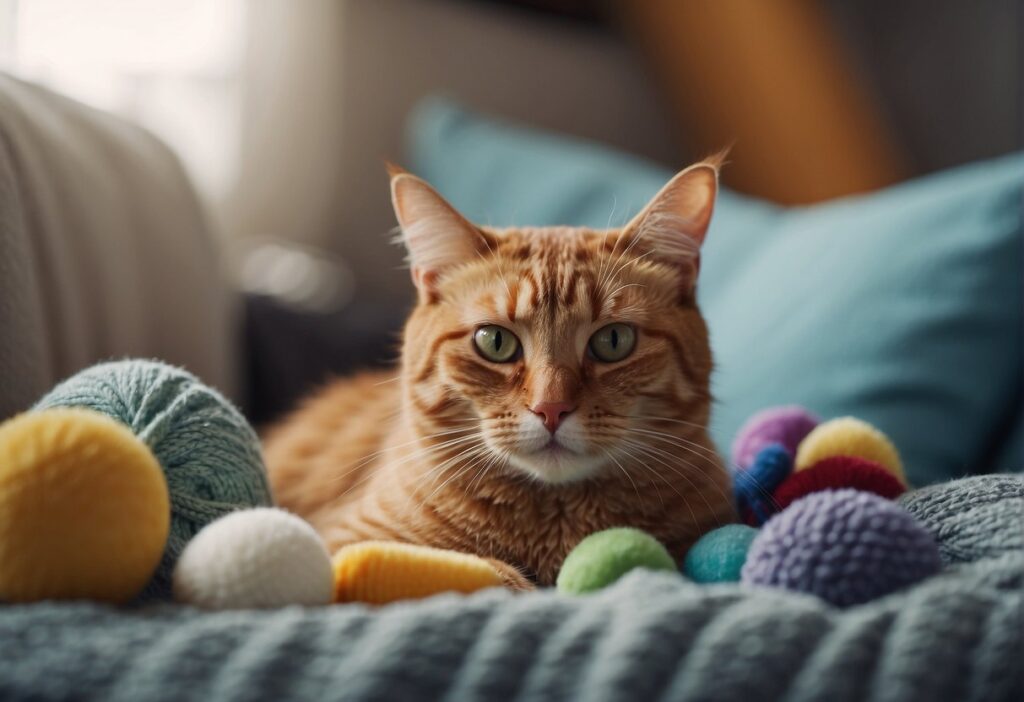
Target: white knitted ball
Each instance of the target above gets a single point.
(254, 558)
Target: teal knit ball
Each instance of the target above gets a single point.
(718, 556)
(605, 556)
(209, 453)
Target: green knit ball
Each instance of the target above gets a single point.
(209, 453)
(718, 556)
(605, 556)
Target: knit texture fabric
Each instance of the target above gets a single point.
(957, 636)
(651, 636)
(971, 518)
(209, 453)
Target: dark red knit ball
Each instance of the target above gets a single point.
(835, 473)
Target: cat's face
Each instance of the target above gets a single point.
(556, 352)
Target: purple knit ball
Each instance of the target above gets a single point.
(845, 546)
(786, 425)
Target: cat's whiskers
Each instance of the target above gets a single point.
(420, 454)
(696, 425)
(439, 469)
(370, 475)
(625, 473)
(708, 452)
(765, 492)
(607, 259)
(640, 446)
(636, 238)
(475, 455)
(643, 448)
(633, 460)
(435, 471)
(369, 457)
(473, 435)
(692, 447)
(499, 456)
(480, 473)
(606, 256)
(700, 469)
(607, 280)
(611, 215)
(631, 262)
(649, 451)
(616, 291)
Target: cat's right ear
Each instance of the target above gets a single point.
(436, 236)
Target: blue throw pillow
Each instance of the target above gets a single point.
(902, 307)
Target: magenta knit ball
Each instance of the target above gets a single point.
(786, 425)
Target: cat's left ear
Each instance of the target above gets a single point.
(674, 223)
(436, 236)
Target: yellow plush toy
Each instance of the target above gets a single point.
(84, 508)
(379, 572)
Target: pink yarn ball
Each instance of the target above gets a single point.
(786, 425)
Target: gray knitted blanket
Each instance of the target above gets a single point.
(959, 636)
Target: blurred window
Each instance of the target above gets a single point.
(174, 67)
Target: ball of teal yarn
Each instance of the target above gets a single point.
(718, 556)
(605, 556)
(208, 451)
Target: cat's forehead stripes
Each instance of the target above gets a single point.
(549, 270)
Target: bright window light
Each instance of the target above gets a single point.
(173, 67)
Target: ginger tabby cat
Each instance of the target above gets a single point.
(553, 383)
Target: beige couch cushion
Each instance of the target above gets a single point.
(104, 252)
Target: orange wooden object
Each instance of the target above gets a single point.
(770, 78)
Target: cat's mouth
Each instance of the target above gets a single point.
(555, 448)
(556, 463)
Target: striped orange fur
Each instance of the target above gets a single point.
(457, 451)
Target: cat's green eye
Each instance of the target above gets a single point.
(613, 343)
(496, 343)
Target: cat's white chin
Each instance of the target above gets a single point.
(555, 459)
(556, 465)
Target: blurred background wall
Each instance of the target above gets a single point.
(284, 111)
(327, 102)
(313, 151)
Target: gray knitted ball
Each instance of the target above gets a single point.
(973, 518)
(209, 453)
(845, 546)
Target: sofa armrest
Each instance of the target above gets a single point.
(104, 251)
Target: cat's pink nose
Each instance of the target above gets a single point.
(552, 413)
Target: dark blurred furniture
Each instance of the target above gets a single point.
(288, 353)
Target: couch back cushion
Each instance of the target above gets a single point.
(104, 251)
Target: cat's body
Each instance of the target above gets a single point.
(519, 421)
